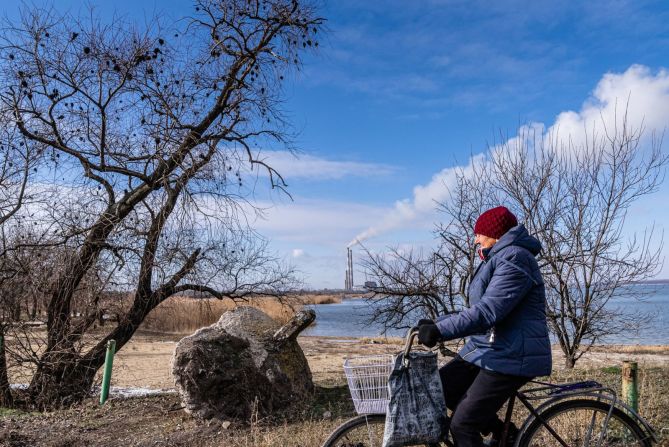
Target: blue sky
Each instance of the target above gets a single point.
(400, 91)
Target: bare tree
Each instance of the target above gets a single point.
(410, 285)
(575, 199)
(155, 130)
(17, 162)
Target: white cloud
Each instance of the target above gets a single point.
(640, 92)
(297, 253)
(306, 166)
(637, 91)
(310, 222)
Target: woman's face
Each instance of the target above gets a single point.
(484, 241)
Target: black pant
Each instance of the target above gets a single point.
(475, 395)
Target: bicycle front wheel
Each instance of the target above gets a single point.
(361, 431)
(583, 422)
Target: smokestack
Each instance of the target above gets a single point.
(350, 269)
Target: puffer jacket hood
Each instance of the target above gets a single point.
(506, 321)
(517, 236)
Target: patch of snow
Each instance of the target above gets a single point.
(117, 391)
(136, 391)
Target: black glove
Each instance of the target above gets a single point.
(423, 321)
(428, 335)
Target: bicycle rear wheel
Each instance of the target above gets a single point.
(361, 431)
(581, 422)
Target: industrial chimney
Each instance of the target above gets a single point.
(349, 269)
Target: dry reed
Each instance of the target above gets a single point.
(183, 314)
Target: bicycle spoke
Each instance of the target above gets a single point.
(588, 434)
(371, 436)
(578, 427)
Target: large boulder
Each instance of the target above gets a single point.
(244, 363)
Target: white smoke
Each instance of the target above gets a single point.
(423, 204)
(639, 93)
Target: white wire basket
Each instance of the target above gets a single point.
(368, 381)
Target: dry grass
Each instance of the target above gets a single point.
(633, 349)
(185, 315)
(319, 299)
(303, 433)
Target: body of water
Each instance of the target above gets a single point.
(350, 318)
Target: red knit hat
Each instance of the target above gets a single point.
(495, 222)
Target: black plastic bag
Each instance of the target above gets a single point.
(416, 412)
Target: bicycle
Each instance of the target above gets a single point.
(583, 413)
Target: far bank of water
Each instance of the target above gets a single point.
(350, 318)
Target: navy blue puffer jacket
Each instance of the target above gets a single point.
(506, 320)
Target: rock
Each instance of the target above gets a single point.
(245, 363)
(225, 425)
(327, 415)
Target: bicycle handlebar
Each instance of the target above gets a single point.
(413, 333)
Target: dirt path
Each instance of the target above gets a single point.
(145, 361)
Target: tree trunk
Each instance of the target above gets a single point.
(5, 392)
(63, 379)
(33, 311)
(569, 361)
(64, 376)
(16, 310)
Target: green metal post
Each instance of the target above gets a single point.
(106, 375)
(630, 384)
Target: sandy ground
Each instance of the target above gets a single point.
(145, 361)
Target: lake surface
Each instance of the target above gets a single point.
(349, 318)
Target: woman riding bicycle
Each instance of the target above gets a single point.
(508, 340)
